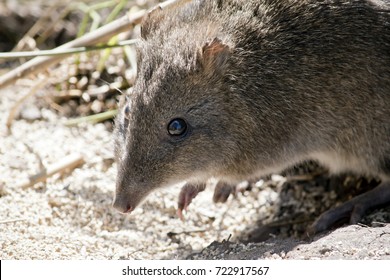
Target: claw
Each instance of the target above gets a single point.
(179, 213)
(222, 192)
(187, 194)
(353, 209)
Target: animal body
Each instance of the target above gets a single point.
(239, 89)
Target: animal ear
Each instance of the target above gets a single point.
(150, 21)
(214, 55)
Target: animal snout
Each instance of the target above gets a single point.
(122, 205)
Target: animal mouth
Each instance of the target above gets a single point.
(129, 210)
(122, 207)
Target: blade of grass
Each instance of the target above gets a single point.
(57, 52)
(92, 118)
(101, 34)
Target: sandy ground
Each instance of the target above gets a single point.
(352, 243)
(70, 216)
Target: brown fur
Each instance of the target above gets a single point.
(262, 85)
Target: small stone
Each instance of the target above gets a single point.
(30, 113)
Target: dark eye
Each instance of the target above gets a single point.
(177, 127)
(126, 111)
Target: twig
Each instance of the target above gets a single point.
(58, 52)
(171, 233)
(227, 240)
(15, 108)
(102, 34)
(68, 163)
(99, 35)
(38, 157)
(135, 251)
(12, 221)
(363, 225)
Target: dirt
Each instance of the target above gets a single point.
(70, 215)
(349, 243)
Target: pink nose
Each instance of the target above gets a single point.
(122, 205)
